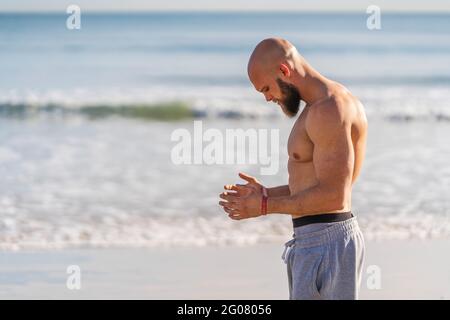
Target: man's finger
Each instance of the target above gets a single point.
(239, 188)
(229, 196)
(231, 187)
(232, 193)
(227, 204)
(235, 217)
(233, 213)
(247, 178)
(230, 205)
(230, 211)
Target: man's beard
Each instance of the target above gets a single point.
(290, 102)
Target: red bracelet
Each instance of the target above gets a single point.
(264, 202)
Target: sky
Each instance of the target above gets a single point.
(225, 5)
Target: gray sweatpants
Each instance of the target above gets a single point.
(325, 260)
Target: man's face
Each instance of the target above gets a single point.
(278, 91)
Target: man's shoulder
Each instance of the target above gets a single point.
(330, 113)
(328, 110)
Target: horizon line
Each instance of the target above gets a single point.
(106, 11)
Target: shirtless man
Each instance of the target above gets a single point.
(326, 149)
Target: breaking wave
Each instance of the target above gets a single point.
(198, 231)
(391, 103)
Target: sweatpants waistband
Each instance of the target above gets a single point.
(322, 218)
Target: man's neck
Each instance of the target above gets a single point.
(312, 86)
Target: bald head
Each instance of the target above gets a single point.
(269, 54)
(272, 69)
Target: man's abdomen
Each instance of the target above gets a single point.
(301, 177)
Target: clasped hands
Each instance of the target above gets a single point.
(243, 201)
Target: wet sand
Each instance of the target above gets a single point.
(409, 270)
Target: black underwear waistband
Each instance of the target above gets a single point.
(322, 218)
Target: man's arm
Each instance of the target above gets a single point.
(278, 191)
(333, 160)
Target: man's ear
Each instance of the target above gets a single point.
(285, 70)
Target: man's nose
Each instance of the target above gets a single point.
(268, 97)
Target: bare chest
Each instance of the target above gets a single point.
(300, 146)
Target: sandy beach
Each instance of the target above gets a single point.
(409, 270)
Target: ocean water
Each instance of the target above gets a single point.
(74, 179)
(401, 70)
